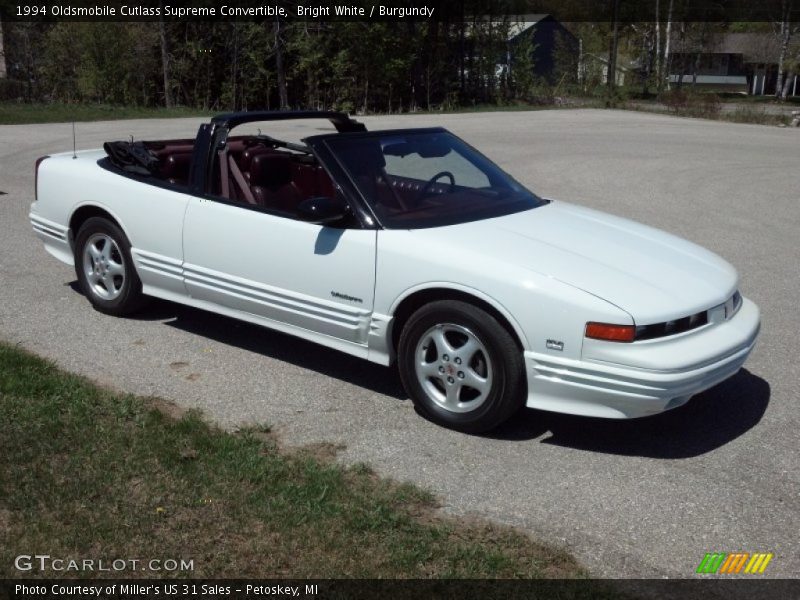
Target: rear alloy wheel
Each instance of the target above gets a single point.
(105, 269)
(461, 367)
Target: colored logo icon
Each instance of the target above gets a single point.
(735, 562)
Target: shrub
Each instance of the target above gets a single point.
(675, 100)
(11, 89)
(709, 105)
(692, 104)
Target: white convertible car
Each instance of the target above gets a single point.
(404, 246)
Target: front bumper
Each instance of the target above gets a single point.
(614, 390)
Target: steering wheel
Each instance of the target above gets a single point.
(426, 189)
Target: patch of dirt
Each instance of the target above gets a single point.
(260, 432)
(192, 377)
(137, 491)
(189, 454)
(517, 543)
(322, 451)
(178, 365)
(167, 407)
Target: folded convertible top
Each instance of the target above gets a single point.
(133, 157)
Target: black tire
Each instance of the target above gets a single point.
(127, 297)
(499, 361)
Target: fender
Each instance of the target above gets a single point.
(101, 206)
(466, 290)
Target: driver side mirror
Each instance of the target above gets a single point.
(322, 210)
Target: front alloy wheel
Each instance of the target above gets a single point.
(453, 367)
(460, 366)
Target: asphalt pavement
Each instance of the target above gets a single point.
(643, 498)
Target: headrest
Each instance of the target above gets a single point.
(247, 156)
(271, 170)
(364, 157)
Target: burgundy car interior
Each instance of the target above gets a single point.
(272, 182)
(250, 171)
(262, 174)
(174, 159)
(175, 168)
(276, 178)
(253, 172)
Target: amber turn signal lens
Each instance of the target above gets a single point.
(611, 333)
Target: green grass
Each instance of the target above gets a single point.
(571, 102)
(753, 113)
(747, 98)
(86, 472)
(14, 113)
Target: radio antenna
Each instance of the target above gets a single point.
(74, 154)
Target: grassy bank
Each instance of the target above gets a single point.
(754, 111)
(14, 113)
(718, 107)
(85, 472)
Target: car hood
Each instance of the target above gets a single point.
(650, 274)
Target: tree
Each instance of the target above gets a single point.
(3, 69)
(280, 69)
(522, 64)
(783, 31)
(612, 48)
(162, 36)
(58, 69)
(565, 61)
(22, 45)
(658, 44)
(665, 62)
(347, 65)
(792, 68)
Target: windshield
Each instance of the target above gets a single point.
(428, 179)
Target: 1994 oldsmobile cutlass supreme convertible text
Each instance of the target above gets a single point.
(405, 245)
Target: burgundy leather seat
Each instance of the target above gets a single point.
(245, 158)
(324, 184)
(305, 178)
(175, 168)
(271, 182)
(367, 165)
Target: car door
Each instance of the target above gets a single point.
(320, 279)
